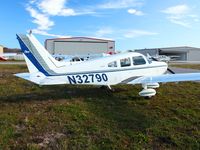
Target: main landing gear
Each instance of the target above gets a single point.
(148, 90)
(108, 87)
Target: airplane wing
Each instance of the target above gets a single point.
(167, 78)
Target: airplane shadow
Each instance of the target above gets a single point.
(111, 106)
(62, 92)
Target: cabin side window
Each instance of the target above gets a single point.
(138, 60)
(112, 64)
(125, 62)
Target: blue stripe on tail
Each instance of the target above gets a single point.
(30, 56)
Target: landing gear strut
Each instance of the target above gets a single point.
(108, 87)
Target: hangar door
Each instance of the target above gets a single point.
(180, 56)
(79, 47)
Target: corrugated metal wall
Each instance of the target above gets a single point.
(194, 55)
(72, 48)
(79, 46)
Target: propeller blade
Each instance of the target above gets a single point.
(172, 72)
(168, 69)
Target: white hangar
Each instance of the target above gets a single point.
(79, 46)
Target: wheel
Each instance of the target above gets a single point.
(148, 97)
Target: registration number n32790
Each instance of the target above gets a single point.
(87, 78)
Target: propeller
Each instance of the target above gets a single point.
(172, 72)
(168, 69)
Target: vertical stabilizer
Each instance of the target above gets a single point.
(31, 68)
(38, 58)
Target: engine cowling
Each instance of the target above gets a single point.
(147, 93)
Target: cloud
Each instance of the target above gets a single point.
(178, 10)
(41, 32)
(180, 15)
(104, 32)
(42, 20)
(118, 4)
(138, 33)
(55, 8)
(196, 19)
(32, 1)
(113, 33)
(179, 21)
(42, 10)
(135, 12)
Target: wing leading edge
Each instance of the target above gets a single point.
(167, 78)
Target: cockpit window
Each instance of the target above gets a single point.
(125, 62)
(112, 64)
(138, 60)
(74, 59)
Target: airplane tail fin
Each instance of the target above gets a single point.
(37, 57)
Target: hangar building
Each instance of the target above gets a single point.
(184, 53)
(79, 46)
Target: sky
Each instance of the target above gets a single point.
(133, 24)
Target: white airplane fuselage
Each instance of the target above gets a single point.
(97, 71)
(110, 70)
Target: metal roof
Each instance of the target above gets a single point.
(89, 38)
(183, 48)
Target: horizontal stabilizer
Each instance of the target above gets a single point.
(41, 79)
(31, 77)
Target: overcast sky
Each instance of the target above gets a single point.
(132, 24)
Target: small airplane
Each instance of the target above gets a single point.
(163, 58)
(123, 68)
(79, 58)
(174, 57)
(4, 56)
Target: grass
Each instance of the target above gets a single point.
(189, 66)
(87, 117)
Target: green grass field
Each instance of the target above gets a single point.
(190, 66)
(87, 117)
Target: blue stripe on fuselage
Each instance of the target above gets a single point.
(30, 56)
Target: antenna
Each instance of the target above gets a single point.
(30, 32)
